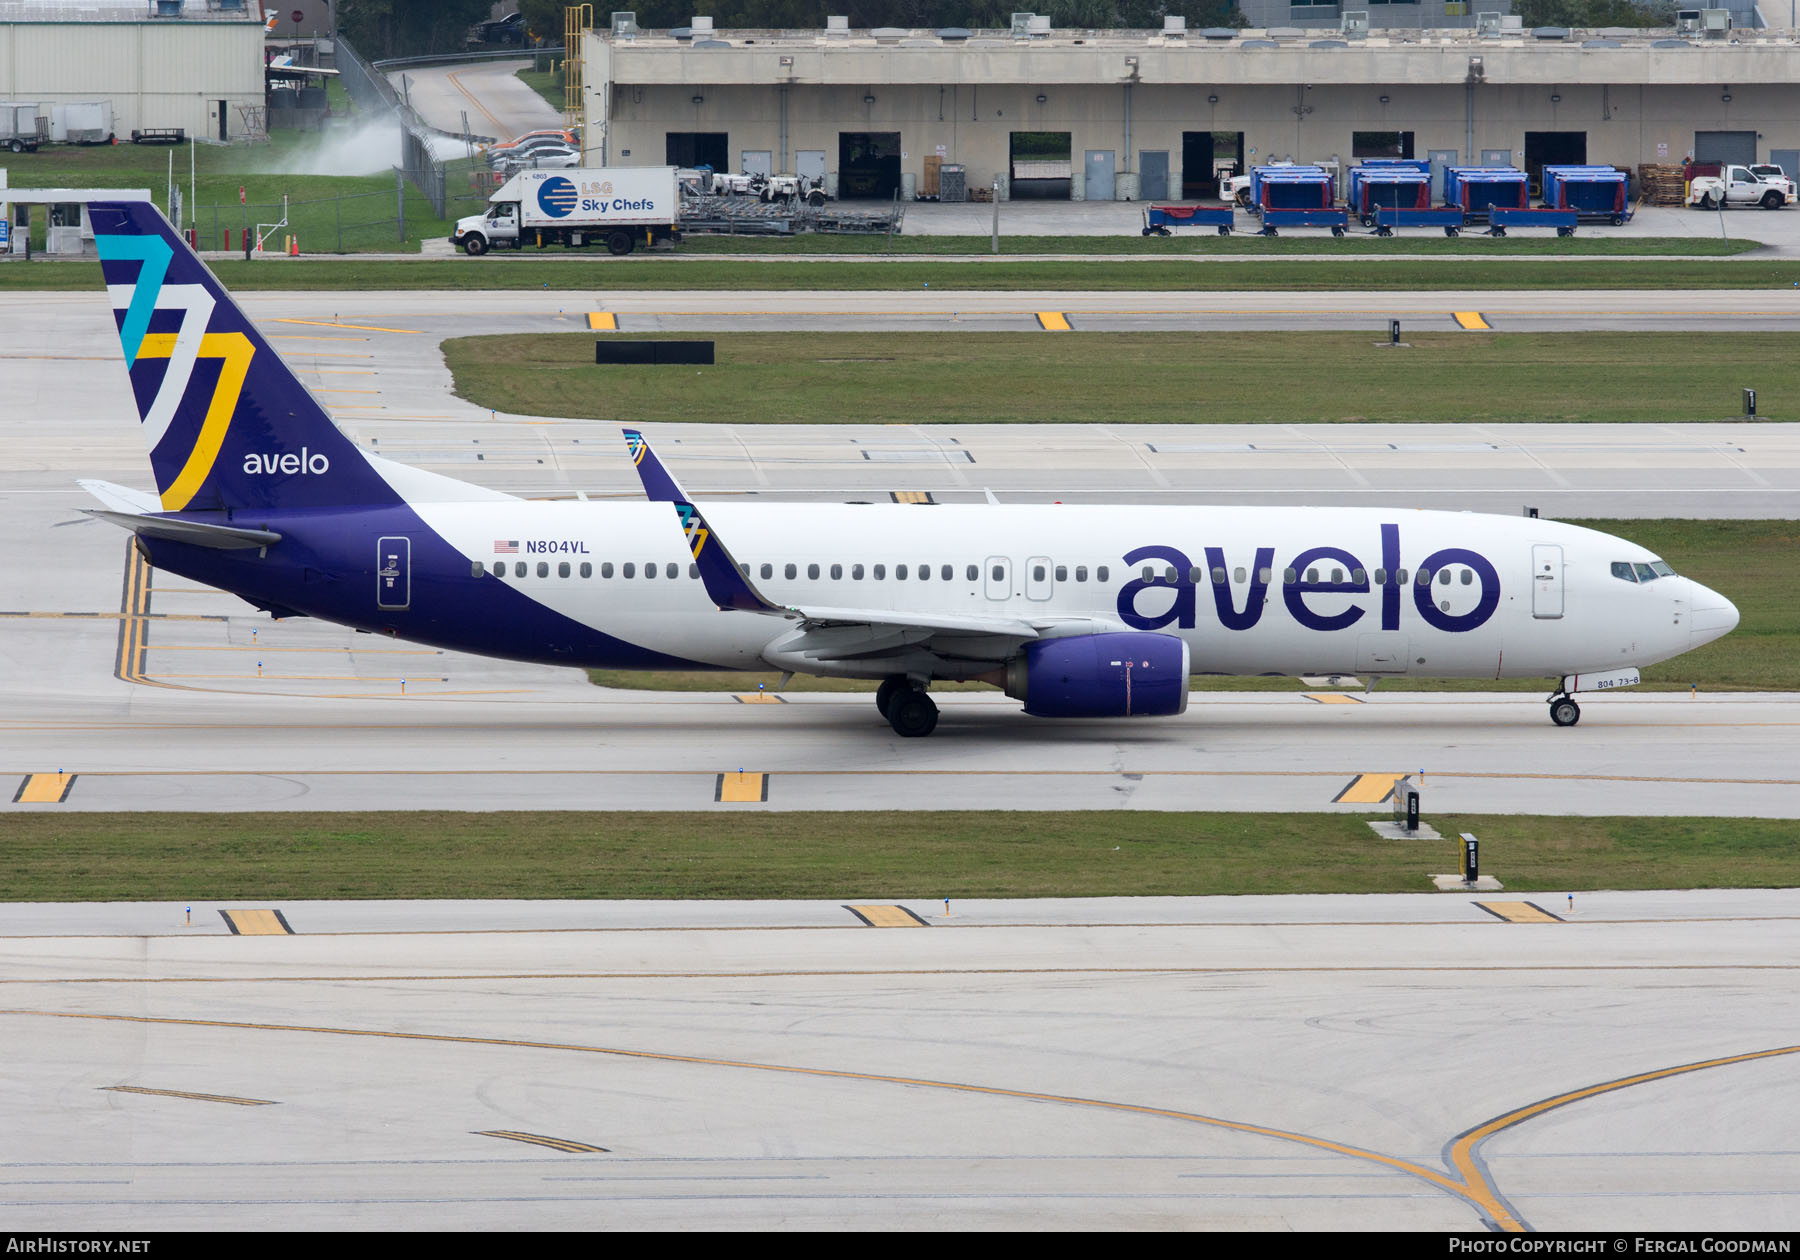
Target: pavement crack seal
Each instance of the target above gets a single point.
(1462, 1153)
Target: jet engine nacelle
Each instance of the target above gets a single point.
(1101, 675)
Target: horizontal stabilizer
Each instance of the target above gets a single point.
(197, 533)
(121, 498)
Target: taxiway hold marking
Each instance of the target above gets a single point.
(887, 916)
(256, 922)
(910, 496)
(182, 1093)
(1367, 789)
(1330, 697)
(1471, 321)
(326, 323)
(738, 787)
(567, 1145)
(757, 697)
(603, 321)
(44, 789)
(1519, 912)
(1053, 321)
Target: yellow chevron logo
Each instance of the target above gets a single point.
(236, 351)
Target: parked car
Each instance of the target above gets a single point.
(542, 157)
(523, 151)
(507, 30)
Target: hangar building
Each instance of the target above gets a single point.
(193, 64)
(1036, 111)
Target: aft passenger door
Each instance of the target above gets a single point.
(1546, 581)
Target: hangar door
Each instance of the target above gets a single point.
(1725, 146)
(1203, 155)
(698, 148)
(868, 164)
(1552, 148)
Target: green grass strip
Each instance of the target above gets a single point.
(1145, 377)
(593, 272)
(181, 857)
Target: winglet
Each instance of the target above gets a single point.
(725, 580)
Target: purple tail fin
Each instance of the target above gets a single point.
(227, 423)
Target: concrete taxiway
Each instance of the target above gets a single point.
(156, 693)
(1440, 1063)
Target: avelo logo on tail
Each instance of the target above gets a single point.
(557, 196)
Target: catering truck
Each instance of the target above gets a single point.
(620, 207)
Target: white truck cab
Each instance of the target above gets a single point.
(1741, 186)
(481, 232)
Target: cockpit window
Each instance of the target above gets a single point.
(1645, 573)
(1661, 568)
(1621, 569)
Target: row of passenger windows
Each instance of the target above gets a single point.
(878, 572)
(1628, 571)
(1039, 573)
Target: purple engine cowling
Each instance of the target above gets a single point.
(1102, 675)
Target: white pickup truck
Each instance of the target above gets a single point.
(1742, 186)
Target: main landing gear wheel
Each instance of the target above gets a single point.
(912, 714)
(1564, 711)
(884, 694)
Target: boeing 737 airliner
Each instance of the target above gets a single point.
(1077, 611)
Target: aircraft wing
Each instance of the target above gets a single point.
(839, 634)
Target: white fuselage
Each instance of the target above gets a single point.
(1251, 590)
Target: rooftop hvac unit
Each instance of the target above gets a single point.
(1715, 22)
(837, 26)
(624, 25)
(1040, 25)
(1174, 26)
(1487, 23)
(701, 26)
(1354, 23)
(167, 8)
(1687, 22)
(1511, 22)
(1021, 25)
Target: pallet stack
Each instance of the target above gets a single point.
(1661, 185)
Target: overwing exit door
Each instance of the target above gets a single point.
(1546, 581)
(393, 573)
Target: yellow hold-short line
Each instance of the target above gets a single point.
(1471, 321)
(738, 787)
(1519, 912)
(256, 923)
(44, 789)
(887, 916)
(758, 697)
(1053, 321)
(910, 496)
(603, 321)
(1368, 789)
(1330, 697)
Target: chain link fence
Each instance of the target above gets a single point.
(349, 224)
(376, 98)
